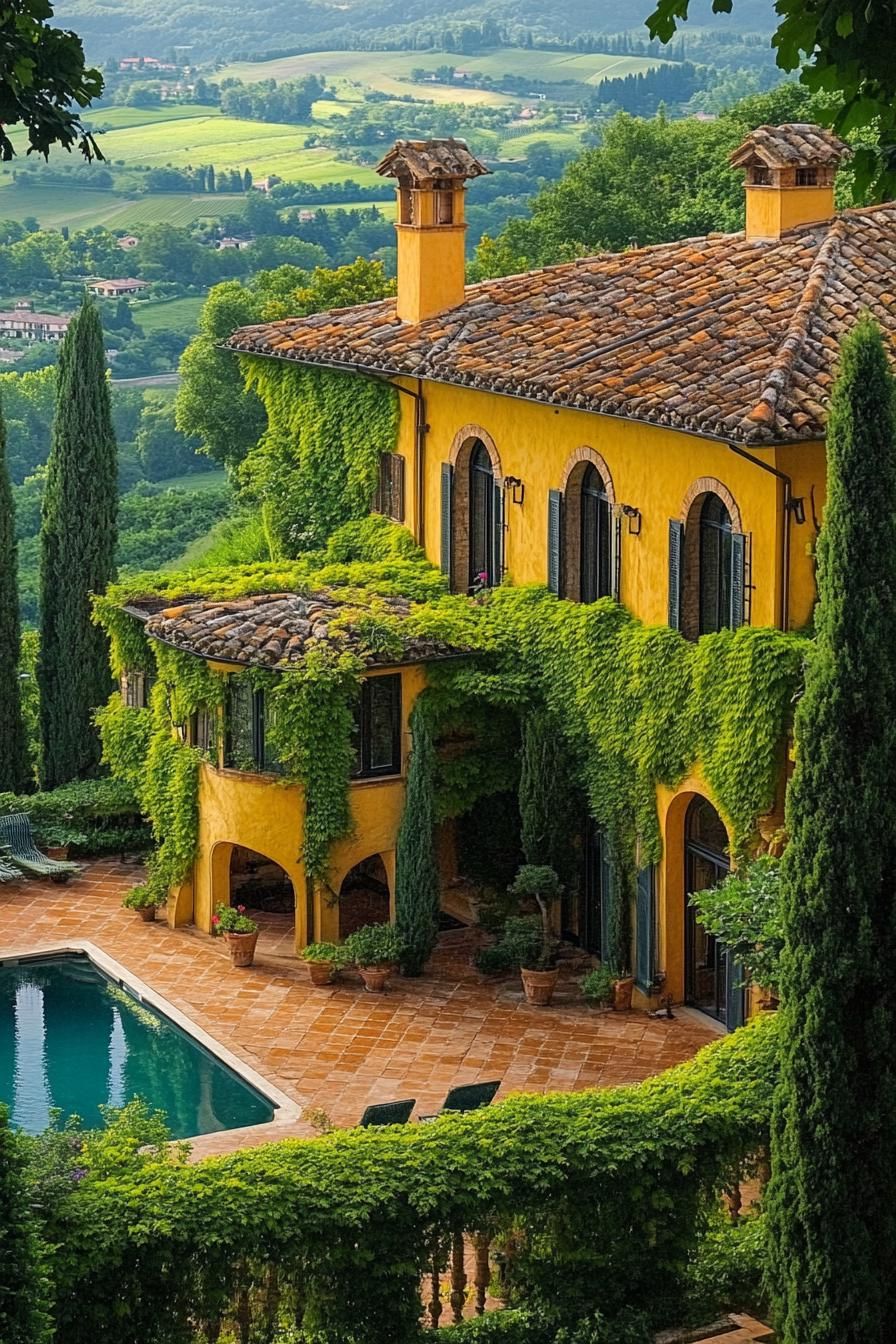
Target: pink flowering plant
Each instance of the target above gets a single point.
(232, 919)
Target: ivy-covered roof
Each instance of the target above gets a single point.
(279, 629)
(724, 336)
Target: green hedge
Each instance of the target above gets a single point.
(606, 1196)
(104, 811)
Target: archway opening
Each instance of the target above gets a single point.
(259, 883)
(364, 896)
(713, 980)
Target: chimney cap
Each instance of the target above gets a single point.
(425, 161)
(793, 145)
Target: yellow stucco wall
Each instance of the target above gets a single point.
(772, 210)
(652, 469)
(263, 813)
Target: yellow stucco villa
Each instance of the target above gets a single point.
(646, 425)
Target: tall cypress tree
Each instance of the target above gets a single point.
(832, 1198)
(14, 772)
(77, 540)
(417, 871)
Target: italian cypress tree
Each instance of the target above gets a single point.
(77, 554)
(832, 1198)
(14, 772)
(548, 808)
(417, 872)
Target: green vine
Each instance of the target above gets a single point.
(316, 465)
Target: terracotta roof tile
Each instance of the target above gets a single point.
(795, 144)
(426, 160)
(278, 629)
(720, 335)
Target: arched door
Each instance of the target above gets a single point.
(712, 979)
(483, 551)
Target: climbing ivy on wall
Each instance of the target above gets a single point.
(315, 467)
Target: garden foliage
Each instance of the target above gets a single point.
(417, 887)
(832, 1198)
(600, 1199)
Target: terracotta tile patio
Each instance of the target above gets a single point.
(339, 1048)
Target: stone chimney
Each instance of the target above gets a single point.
(430, 177)
(790, 173)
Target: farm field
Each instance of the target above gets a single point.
(168, 314)
(390, 71)
(84, 208)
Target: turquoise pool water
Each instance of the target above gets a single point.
(73, 1039)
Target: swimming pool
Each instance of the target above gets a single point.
(73, 1038)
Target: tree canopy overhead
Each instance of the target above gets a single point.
(43, 81)
(839, 48)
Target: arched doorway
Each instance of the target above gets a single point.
(712, 979)
(259, 883)
(364, 896)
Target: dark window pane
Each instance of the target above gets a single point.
(482, 524)
(715, 567)
(240, 737)
(595, 550)
(383, 724)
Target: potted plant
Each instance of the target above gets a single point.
(145, 901)
(623, 985)
(239, 931)
(323, 960)
(530, 938)
(376, 951)
(598, 987)
(57, 838)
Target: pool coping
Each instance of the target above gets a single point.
(286, 1110)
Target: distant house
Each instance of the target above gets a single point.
(116, 289)
(528, 113)
(127, 242)
(307, 216)
(26, 325)
(132, 63)
(233, 244)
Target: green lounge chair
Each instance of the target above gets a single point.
(388, 1113)
(8, 871)
(16, 837)
(467, 1097)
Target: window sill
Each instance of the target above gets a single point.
(366, 781)
(233, 771)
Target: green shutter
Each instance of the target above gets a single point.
(447, 498)
(645, 929)
(738, 578)
(615, 556)
(676, 559)
(555, 525)
(497, 565)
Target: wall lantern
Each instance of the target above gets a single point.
(515, 485)
(634, 519)
(797, 507)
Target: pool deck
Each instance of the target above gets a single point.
(339, 1048)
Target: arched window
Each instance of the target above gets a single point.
(716, 612)
(595, 578)
(483, 550)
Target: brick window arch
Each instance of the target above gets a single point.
(707, 561)
(477, 523)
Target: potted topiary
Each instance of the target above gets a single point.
(57, 839)
(239, 932)
(145, 901)
(376, 951)
(598, 987)
(530, 938)
(323, 960)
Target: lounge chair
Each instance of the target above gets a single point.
(388, 1113)
(8, 871)
(17, 839)
(467, 1097)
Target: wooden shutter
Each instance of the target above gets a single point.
(555, 535)
(615, 555)
(676, 557)
(447, 493)
(645, 929)
(735, 993)
(396, 463)
(738, 578)
(497, 564)
(607, 901)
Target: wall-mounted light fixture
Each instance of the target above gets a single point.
(797, 507)
(634, 519)
(516, 487)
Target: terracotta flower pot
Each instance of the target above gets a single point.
(622, 994)
(375, 977)
(539, 986)
(147, 913)
(57, 852)
(242, 947)
(321, 972)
